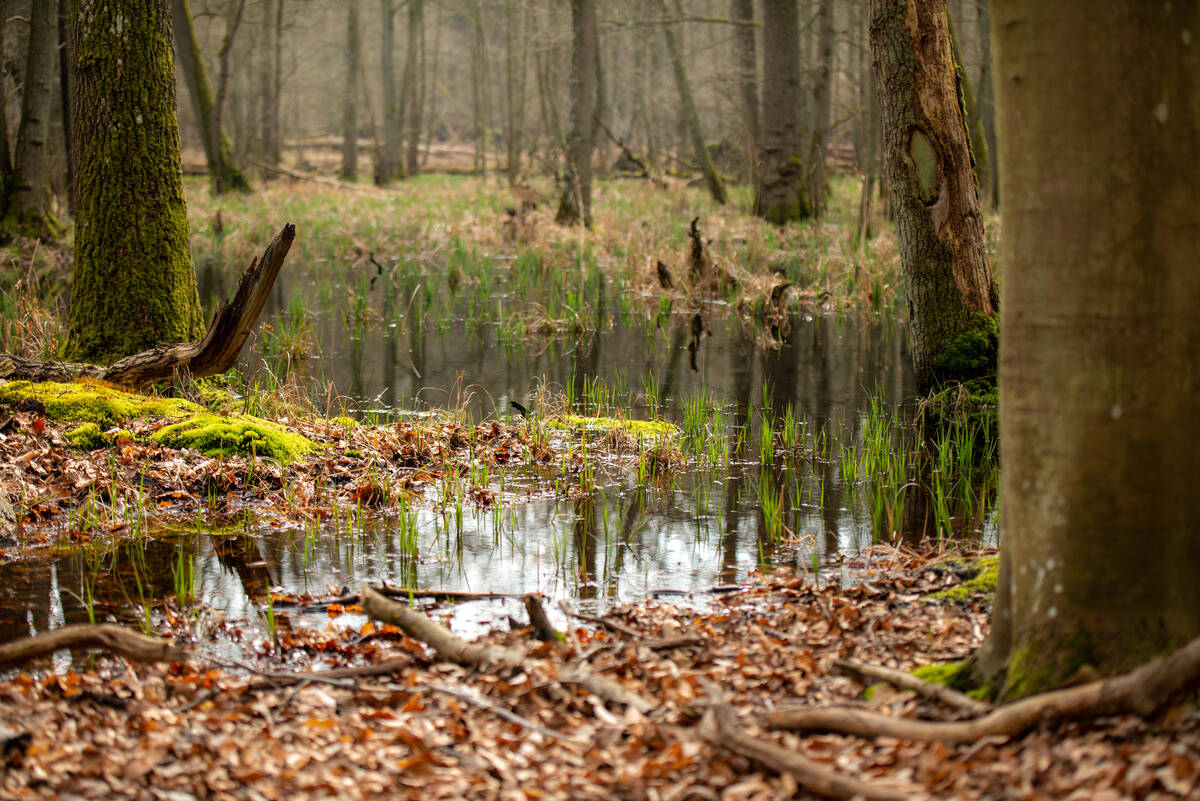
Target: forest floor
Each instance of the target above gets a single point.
(424, 728)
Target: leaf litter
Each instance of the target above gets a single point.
(420, 728)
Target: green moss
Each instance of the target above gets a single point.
(89, 437)
(352, 453)
(648, 429)
(348, 423)
(982, 583)
(868, 692)
(1036, 666)
(955, 675)
(94, 402)
(216, 435)
(972, 354)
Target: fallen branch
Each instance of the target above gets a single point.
(907, 681)
(118, 639)
(447, 644)
(405, 593)
(719, 727)
(542, 626)
(1142, 692)
(453, 648)
(215, 353)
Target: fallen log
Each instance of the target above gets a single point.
(447, 644)
(907, 681)
(118, 639)
(719, 727)
(1144, 691)
(215, 353)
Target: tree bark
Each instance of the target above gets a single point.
(938, 223)
(134, 286)
(822, 99)
(1100, 414)
(781, 195)
(29, 208)
(6, 164)
(350, 100)
(575, 204)
(691, 118)
(222, 180)
(976, 140)
(745, 54)
(479, 83)
(218, 152)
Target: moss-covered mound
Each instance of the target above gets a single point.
(983, 583)
(94, 402)
(89, 437)
(216, 435)
(648, 429)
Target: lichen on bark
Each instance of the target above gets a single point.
(134, 285)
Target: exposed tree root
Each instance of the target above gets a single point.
(453, 648)
(719, 727)
(1143, 691)
(906, 681)
(118, 639)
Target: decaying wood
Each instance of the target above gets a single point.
(542, 627)
(118, 639)
(215, 353)
(719, 727)
(447, 644)
(907, 681)
(453, 648)
(1143, 691)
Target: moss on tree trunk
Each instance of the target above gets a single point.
(134, 285)
(938, 222)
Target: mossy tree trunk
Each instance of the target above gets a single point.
(781, 195)
(134, 286)
(29, 203)
(689, 116)
(950, 294)
(1100, 413)
(218, 152)
(575, 204)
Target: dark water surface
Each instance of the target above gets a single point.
(387, 351)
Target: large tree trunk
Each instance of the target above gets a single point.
(29, 212)
(576, 202)
(746, 60)
(822, 100)
(1100, 412)
(976, 140)
(479, 86)
(781, 195)
(6, 165)
(272, 82)
(350, 100)
(218, 152)
(951, 311)
(414, 116)
(134, 285)
(690, 117)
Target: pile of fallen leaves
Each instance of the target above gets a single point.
(414, 727)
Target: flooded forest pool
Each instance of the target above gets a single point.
(815, 461)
